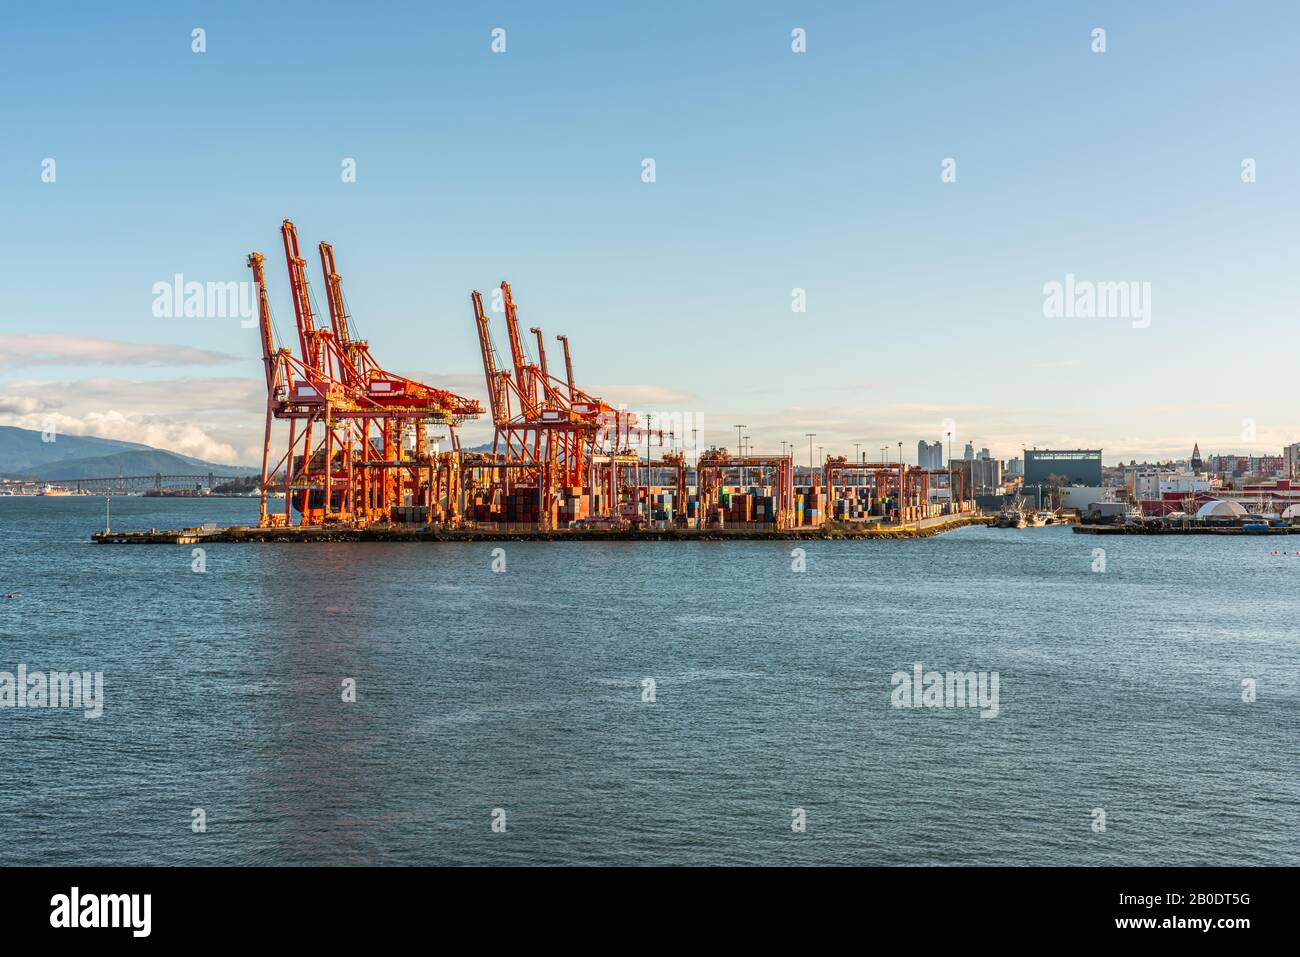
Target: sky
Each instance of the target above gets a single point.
(775, 171)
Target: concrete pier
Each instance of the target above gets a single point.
(1160, 529)
(422, 533)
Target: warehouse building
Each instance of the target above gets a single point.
(1077, 466)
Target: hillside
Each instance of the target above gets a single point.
(23, 449)
(141, 462)
(24, 455)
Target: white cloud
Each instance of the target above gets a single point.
(187, 438)
(639, 394)
(17, 351)
(181, 396)
(216, 419)
(24, 404)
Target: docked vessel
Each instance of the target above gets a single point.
(1010, 518)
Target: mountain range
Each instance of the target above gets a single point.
(25, 455)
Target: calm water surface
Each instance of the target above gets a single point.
(522, 691)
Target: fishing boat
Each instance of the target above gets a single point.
(1013, 517)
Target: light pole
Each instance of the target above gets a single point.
(902, 481)
(876, 479)
(649, 425)
(810, 436)
(952, 504)
(740, 449)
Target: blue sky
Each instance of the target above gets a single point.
(775, 170)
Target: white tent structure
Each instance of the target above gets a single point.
(1291, 511)
(1220, 509)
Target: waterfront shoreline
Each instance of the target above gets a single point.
(1153, 529)
(420, 533)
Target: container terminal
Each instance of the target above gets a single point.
(352, 451)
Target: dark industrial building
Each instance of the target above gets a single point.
(1079, 466)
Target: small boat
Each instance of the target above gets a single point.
(1010, 518)
(1254, 528)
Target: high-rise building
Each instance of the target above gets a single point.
(969, 455)
(929, 455)
(1291, 460)
(986, 475)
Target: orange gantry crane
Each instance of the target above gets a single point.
(358, 435)
(711, 469)
(908, 482)
(409, 407)
(549, 435)
(882, 476)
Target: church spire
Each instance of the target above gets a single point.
(1196, 462)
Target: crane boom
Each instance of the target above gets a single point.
(523, 379)
(334, 297)
(307, 332)
(255, 261)
(541, 358)
(495, 399)
(568, 368)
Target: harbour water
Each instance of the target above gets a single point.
(523, 690)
